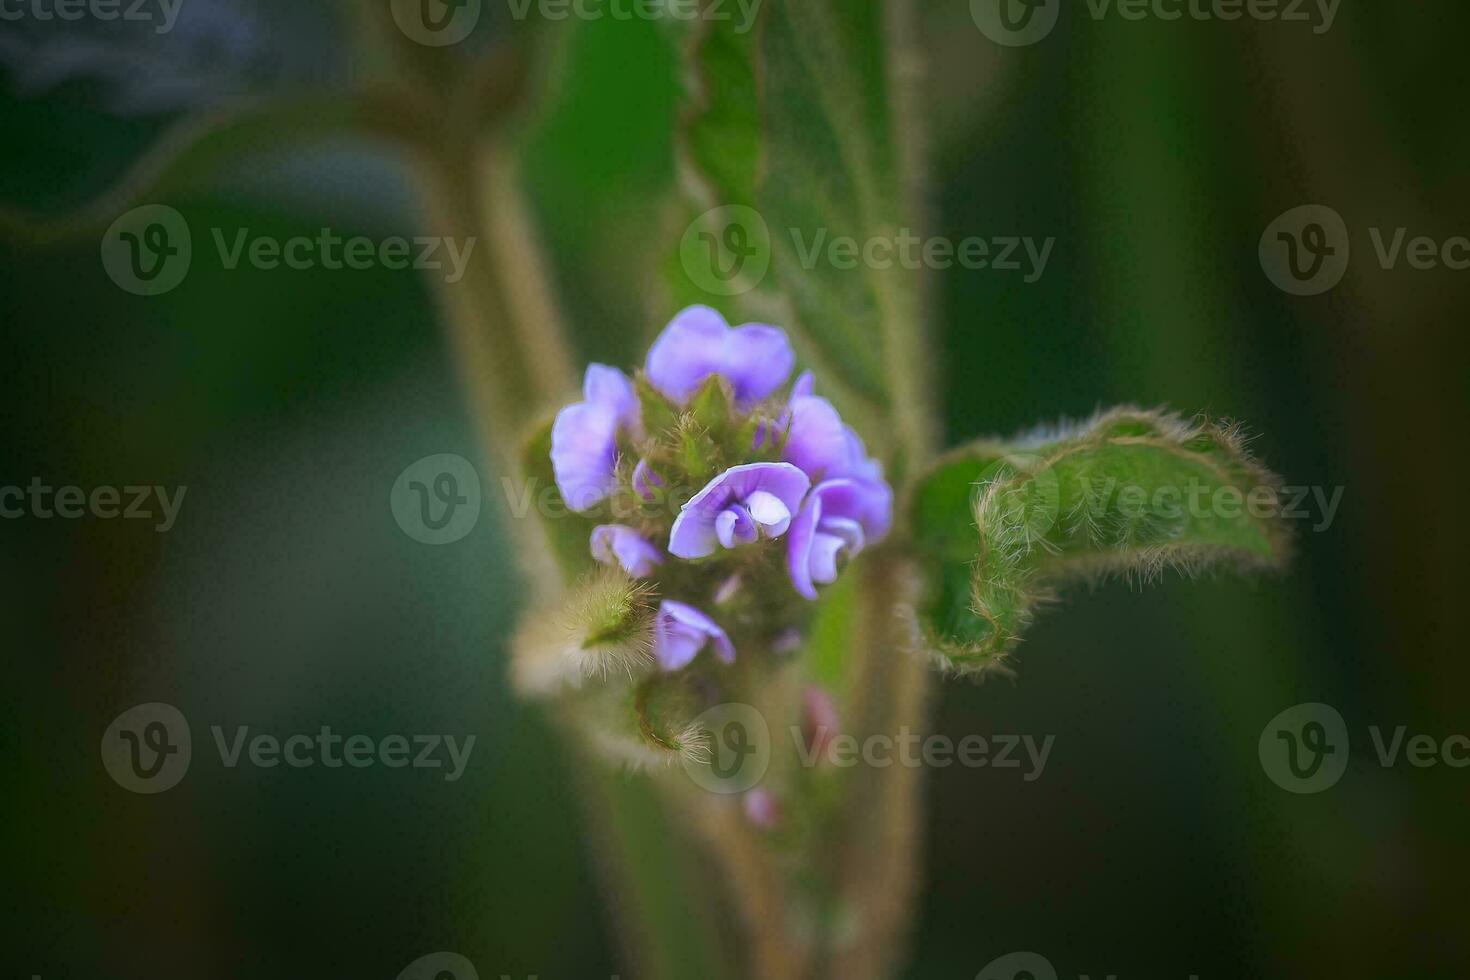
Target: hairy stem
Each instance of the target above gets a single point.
(879, 840)
(502, 326)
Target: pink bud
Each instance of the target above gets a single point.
(819, 719)
(762, 808)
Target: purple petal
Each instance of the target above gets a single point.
(690, 349)
(805, 386)
(584, 437)
(839, 517)
(694, 534)
(612, 389)
(818, 441)
(758, 360)
(770, 512)
(680, 631)
(584, 454)
(755, 358)
(734, 525)
(823, 558)
(799, 542)
(868, 502)
(621, 545)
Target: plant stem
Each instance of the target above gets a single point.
(503, 329)
(880, 847)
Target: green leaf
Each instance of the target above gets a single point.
(793, 119)
(1129, 493)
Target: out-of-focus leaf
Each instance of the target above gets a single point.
(184, 57)
(792, 120)
(193, 151)
(1129, 493)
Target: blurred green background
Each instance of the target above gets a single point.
(286, 598)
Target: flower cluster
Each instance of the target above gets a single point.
(773, 491)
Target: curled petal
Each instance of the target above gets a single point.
(822, 561)
(838, 519)
(618, 544)
(868, 502)
(821, 443)
(755, 358)
(584, 437)
(680, 631)
(695, 533)
(799, 544)
(584, 454)
(734, 525)
(769, 511)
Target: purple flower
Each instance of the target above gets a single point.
(755, 358)
(838, 519)
(851, 505)
(820, 442)
(739, 506)
(621, 545)
(584, 437)
(681, 631)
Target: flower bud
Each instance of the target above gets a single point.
(605, 626)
